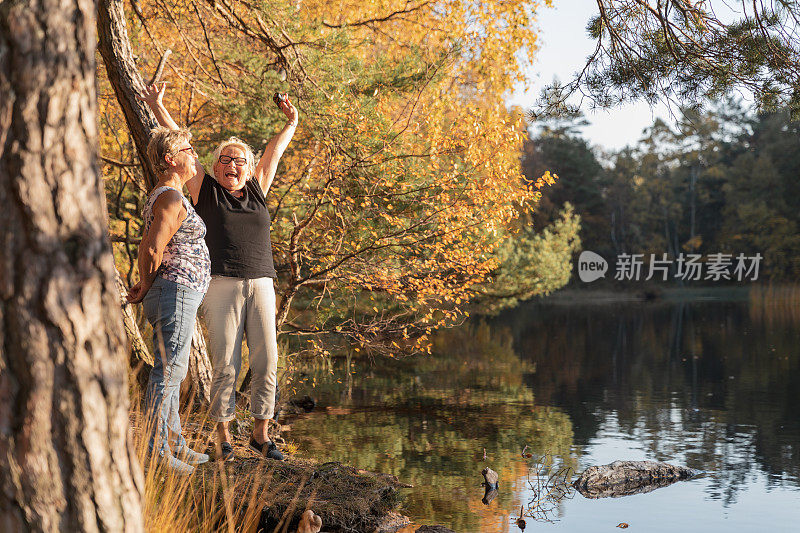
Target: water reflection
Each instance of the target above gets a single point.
(709, 385)
(700, 383)
(431, 420)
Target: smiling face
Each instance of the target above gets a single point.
(230, 175)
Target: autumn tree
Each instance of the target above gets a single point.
(403, 176)
(68, 462)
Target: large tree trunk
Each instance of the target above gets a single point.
(67, 460)
(199, 368)
(115, 48)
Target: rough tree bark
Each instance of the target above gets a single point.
(199, 368)
(68, 461)
(127, 82)
(140, 359)
(115, 47)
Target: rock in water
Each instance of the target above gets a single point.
(306, 403)
(434, 529)
(491, 479)
(488, 496)
(296, 406)
(491, 483)
(623, 478)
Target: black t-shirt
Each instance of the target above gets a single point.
(237, 230)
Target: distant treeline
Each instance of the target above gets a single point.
(726, 180)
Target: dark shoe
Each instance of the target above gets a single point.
(225, 452)
(266, 449)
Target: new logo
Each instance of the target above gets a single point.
(591, 266)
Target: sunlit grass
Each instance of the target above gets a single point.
(202, 502)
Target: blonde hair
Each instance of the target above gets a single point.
(248, 153)
(165, 142)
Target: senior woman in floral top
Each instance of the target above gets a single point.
(174, 271)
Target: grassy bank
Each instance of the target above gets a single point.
(255, 494)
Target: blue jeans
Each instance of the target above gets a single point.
(171, 309)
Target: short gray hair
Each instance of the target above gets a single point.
(165, 142)
(238, 143)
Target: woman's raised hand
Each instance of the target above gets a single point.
(289, 110)
(153, 94)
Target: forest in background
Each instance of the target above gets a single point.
(724, 180)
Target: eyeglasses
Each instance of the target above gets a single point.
(238, 161)
(189, 149)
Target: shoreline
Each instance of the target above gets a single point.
(644, 294)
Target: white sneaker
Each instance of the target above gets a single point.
(177, 466)
(189, 456)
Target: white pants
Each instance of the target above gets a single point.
(232, 308)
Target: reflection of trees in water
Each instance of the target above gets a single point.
(701, 382)
(440, 412)
(552, 377)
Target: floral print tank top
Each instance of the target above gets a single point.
(186, 260)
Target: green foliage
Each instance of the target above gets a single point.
(690, 52)
(533, 263)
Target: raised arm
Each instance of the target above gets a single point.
(153, 96)
(168, 215)
(268, 164)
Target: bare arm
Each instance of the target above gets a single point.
(268, 164)
(168, 215)
(153, 96)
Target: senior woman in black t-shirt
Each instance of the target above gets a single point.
(241, 298)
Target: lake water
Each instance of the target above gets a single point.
(713, 385)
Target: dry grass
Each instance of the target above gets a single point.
(775, 304)
(253, 494)
(201, 502)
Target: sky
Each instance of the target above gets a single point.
(564, 47)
